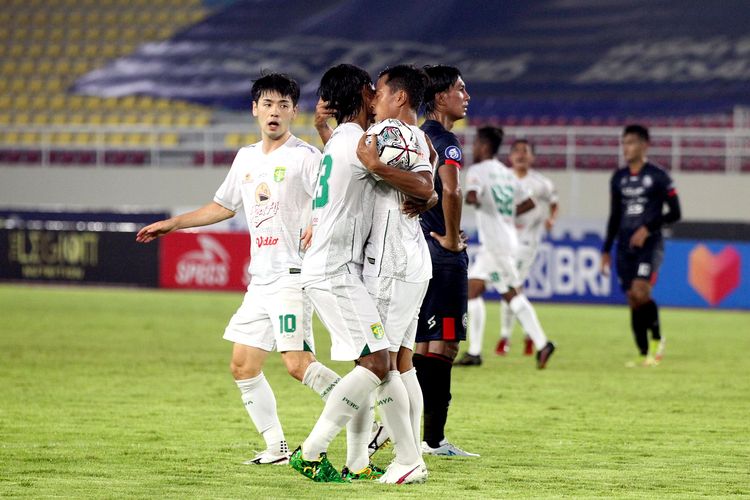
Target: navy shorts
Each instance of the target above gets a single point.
(639, 263)
(443, 312)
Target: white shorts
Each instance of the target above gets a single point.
(398, 304)
(498, 271)
(350, 315)
(276, 315)
(525, 258)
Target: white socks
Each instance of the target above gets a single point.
(393, 400)
(320, 379)
(358, 437)
(260, 404)
(416, 403)
(523, 309)
(477, 314)
(507, 318)
(351, 394)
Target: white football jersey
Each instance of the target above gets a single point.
(342, 209)
(276, 190)
(498, 192)
(530, 225)
(396, 247)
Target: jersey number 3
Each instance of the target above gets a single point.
(321, 191)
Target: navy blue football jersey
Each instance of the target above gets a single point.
(449, 153)
(638, 200)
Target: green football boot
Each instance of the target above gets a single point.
(370, 473)
(320, 471)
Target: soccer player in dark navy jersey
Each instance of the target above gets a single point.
(442, 317)
(639, 192)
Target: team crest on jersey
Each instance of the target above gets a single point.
(279, 173)
(377, 330)
(262, 193)
(248, 178)
(453, 153)
(647, 181)
(465, 320)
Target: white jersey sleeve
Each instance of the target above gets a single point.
(229, 194)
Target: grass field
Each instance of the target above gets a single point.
(126, 393)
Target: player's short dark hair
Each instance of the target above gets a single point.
(341, 87)
(523, 141)
(408, 78)
(638, 130)
(441, 78)
(492, 136)
(276, 82)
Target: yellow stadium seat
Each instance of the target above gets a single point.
(128, 102)
(165, 120)
(109, 103)
(53, 85)
(168, 140)
(232, 140)
(83, 139)
(56, 102)
(62, 138)
(5, 118)
(249, 139)
(40, 119)
(147, 119)
(29, 139)
(77, 119)
(22, 119)
(95, 119)
(134, 140)
(22, 102)
(59, 119)
(36, 86)
(9, 67)
(201, 120)
(130, 119)
(12, 138)
(39, 101)
(5, 101)
(18, 85)
(117, 139)
(183, 120)
(113, 119)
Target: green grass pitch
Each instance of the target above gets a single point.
(127, 393)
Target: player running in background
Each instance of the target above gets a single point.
(331, 275)
(499, 197)
(639, 192)
(531, 228)
(442, 317)
(274, 181)
(397, 261)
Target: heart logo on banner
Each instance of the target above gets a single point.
(714, 276)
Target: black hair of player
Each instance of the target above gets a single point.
(408, 78)
(275, 82)
(523, 141)
(638, 130)
(441, 78)
(341, 86)
(493, 136)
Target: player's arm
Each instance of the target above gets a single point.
(673, 214)
(525, 206)
(472, 198)
(417, 185)
(613, 225)
(322, 114)
(550, 222)
(204, 216)
(451, 209)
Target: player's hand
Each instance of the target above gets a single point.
(368, 153)
(605, 263)
(549, 224)
(322, 114)
(412, 208)
(463, 237)
(306, 237)
(153, 231)
(450, 244)
(639, 237)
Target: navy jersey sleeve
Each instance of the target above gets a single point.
(449, 151)
(615, 212)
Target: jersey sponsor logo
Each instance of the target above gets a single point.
(207, 266)
(453, 153)
(266, 241)
(263, 212)
(377, 330)
(431, 322)
(647, 181)
(279, 173)
(248, 178)
(465, 320)
(644, 269)
(262, 193)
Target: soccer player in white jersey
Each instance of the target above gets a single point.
(332, 278)
(531, 228)
(498, 197)
(398, 266)
(274, 180)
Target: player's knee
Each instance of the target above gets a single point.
(639, 294)
(377, 362)
(448, 350)
(243, 370)
(297, 362)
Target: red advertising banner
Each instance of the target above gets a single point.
(204, 261)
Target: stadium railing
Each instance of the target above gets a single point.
(721, 150)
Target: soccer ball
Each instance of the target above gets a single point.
(397, 143)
